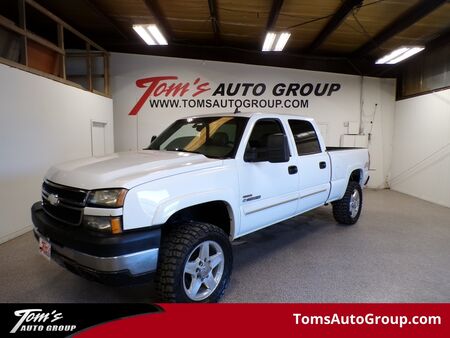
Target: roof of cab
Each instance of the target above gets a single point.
(251, 114)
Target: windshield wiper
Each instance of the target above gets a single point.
(183, 151)
(188, 151)
(198, 152)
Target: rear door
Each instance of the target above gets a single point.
(268, 191)
(313, 166)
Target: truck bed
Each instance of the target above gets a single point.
(342, 148)
(345, 160)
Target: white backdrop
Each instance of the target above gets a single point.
(42, 122)
(421, 158)
(133, 76)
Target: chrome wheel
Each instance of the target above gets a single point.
(355, 201)
(203, 270)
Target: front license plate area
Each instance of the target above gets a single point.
(45, 248)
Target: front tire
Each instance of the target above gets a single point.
(195, 263)
(348, 209)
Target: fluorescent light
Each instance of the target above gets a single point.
(268, 42)
(275, 41)
(156, 34)
(150, 34)
(399, 54)
(282, 40)
(407, 54)
(144, 34)
(391, 55)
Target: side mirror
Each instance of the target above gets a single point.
(277, 150)
(251, 155)
(151, 141)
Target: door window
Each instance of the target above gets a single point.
(261, 132)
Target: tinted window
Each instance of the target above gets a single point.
(305, 137)
(261, 131)
(260, 136)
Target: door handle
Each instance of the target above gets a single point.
(322, 165)
(292, 170)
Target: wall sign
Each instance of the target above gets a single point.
(172, 92)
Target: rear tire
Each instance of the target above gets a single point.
(348, 209)
(195, 263)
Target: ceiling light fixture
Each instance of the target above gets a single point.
(275, 41)
(399, 54)
(150, 34)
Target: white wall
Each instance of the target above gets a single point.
(132, 132)
(42, 122)
(421, 154)
(378, 120)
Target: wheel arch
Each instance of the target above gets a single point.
(218, 212)
(356, 176)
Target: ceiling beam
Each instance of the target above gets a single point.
(242, 55)
(440, 40)
(110, 20)
(273, 15)
(335, 21)
(164, 26)
(214, 19)
(410, 17)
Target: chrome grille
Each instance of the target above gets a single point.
(67, 195)
(63, 203)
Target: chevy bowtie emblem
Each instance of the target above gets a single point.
(53, 199)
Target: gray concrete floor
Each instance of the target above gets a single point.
(399, 251)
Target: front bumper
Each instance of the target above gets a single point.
(112, 259)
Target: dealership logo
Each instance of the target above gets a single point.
(53, 199)
(171, 88)
(161, 86)
(35, 320)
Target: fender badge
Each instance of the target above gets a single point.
(248, 198)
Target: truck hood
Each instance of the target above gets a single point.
(127, 170)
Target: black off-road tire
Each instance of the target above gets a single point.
(341, 208)
(175, 248)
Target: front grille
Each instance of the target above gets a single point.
(61, 213)
(68, 203)
(67, 195)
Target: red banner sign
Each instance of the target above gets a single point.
(283, 320)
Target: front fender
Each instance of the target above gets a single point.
(154, 202)
(169, 207)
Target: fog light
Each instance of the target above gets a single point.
(103, 224)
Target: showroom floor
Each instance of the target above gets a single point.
(399, 251)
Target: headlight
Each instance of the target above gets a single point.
(112, 198)
(111, 225)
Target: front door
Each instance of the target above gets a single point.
(268, 191)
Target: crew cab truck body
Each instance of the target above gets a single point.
(174, 208)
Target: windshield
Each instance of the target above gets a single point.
(215, 137)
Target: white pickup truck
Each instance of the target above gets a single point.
(171, 211)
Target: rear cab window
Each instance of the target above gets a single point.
(305, 137)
